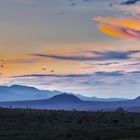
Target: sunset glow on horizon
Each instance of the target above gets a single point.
(91, 47)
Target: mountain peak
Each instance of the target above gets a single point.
(138, 98)
(16, 86)
(21, 87)
(65, 98)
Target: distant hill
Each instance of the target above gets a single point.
(93, 98)
(19, 93)
(70, 102)
(64, 98)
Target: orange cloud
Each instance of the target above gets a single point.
(131, 23)
(118, 27)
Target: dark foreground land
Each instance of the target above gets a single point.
(26, 124)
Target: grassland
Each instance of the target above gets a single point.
(27, 124)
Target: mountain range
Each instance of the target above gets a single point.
(18, 96)
(71, 102)
(20, 93)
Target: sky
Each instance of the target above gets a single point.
(89, 47)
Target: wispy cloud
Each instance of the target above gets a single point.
(99, 73)
(124, 27)
(23, 60)
(96, 56)
(129, 2)
(53, 75)
(101, 83)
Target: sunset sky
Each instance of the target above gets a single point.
(89, 47)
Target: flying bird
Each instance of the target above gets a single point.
(44, 69)
(2, 66)
(52, 70)
(72, 4)
(2, 63)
